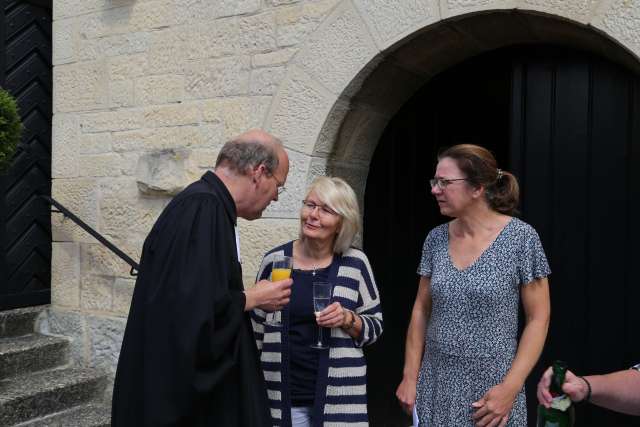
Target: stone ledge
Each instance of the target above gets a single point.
(19, 322)
(82, 416)
(31, 353)
(36, 395)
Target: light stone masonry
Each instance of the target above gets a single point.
(138, 80)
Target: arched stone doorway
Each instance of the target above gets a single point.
(565, 122)
(360, 68)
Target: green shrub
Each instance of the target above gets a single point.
(10, 129)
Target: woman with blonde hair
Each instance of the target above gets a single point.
(309, 386)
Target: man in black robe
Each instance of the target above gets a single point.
(188, 356)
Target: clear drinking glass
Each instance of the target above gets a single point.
(321, 299)
(280, 270)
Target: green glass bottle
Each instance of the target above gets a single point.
(561, 412)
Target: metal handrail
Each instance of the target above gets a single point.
(99, 237)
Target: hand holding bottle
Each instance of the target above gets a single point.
(573, 386)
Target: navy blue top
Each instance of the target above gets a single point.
(303, 331)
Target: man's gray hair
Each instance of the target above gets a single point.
(243, 155)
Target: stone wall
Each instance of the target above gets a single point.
(146, 91)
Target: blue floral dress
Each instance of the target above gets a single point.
(472, 334)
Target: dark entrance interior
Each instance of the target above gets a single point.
(25, 219)
(567, 123)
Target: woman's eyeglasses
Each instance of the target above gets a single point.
(442, 183)
(323, 209)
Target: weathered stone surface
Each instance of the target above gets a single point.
(235, 114)
(71, 325)
(127, 67)
(451, 8)
(62, 41)
(162, 172)
(124, 187)
(257, 237)
(271, 59)
(621, 20)
(105, 22)
(121, 93)
(298, 21)
(66, 8)
(115, 45)
(112, 121)
(96, 292)
(64, 145)
(172, 137)
(218, 77)
(122, 294)
(301, 106)
(65, 274)
(338, 50)
(80, 86)
(202, 9)
(125, 219)
(578, 10)
(95, 143)
(107, 164)
(105, 337)
(46, 392)
(281, 2)
(265, 81)
(331, 127)
(92, 415)
(98, 260)
(355, 175)
(31, 353)
(20, 321)
(359, 135)
(211, 41)
(81, 197)
(392, 20)
(168, 51)
(159, 89)
(257, 33)
(173, 115)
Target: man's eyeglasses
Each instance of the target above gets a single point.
(323, 209)
(279, 185)
(442, 183)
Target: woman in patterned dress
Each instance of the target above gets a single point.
(463, 364)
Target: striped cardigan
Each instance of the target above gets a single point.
(341, 384)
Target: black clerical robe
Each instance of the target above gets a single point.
(188, 356)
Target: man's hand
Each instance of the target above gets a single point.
(269, 296)
(573, 386)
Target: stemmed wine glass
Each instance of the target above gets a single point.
(280, 270)
(321, 299)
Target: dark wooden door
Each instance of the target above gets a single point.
(567, 124)
(25, 52)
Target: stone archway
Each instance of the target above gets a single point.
(368, 57)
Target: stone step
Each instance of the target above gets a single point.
(92, 415)
(18, 322)
(38, 394)
(30, 353)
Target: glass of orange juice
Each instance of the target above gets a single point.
(280, 270)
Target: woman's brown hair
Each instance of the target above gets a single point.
(502, 191)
